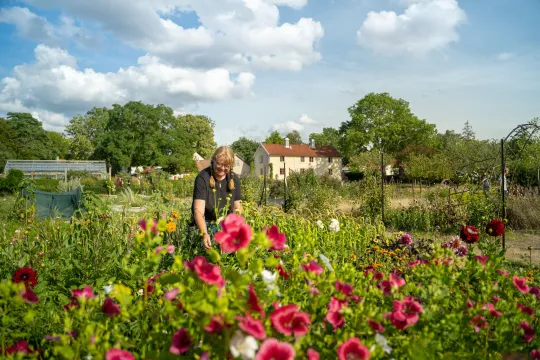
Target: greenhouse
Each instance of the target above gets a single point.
(56, 168)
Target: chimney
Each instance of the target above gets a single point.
(312, 143)
(287, 142)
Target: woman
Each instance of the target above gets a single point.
(216, 192)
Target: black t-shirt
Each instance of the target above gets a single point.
(203, 191)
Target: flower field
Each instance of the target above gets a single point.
(275, 286)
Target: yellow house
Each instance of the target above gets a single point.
(285, 158)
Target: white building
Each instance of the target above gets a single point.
(241, 168)
(285, 158)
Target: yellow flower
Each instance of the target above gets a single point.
(376, 265)
(175, 214)
(171, 227)
(353, 257)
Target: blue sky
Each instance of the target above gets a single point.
(258, 65)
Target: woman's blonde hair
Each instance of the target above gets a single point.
(225, 155)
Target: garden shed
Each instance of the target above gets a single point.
(56, 169)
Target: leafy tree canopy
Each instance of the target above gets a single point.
(274, 138)
(328, 137)
(245, 148)
(294, 138)
(201, 127)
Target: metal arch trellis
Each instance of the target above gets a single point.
(524, 132)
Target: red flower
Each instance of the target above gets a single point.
(282, 272)
(215, 325)
(353, 349)
(482, 259)
(526, 309)
(405, 313)
(393, 282)
(252, 326)
(333, 316)
(271, 349)
(278, 239)
(495, 228)
(344, 288)
(210, 274)
(469, 234)
(535, 355)
(26, 275)
(28, 295)
(78, 294)
(288, 320)
(479, 322)
(520, 284)
(253, 301)
(235, 234)
(492, 310)
(528, 334)
(313, 267)
(312, 355)
(180, 342)
(117, 354)
(377, 327)
(503, 272)
(110, 308)
(19, 346)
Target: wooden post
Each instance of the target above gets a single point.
(382, 186)
(412, 185)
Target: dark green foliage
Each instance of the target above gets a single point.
(245, 148)
(274, 138)
(14, 180)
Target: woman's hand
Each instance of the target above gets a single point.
(207, 242)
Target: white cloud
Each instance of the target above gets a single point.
(425, 26)
(506, 56)
(304, 119)
(53, 85)
(29, 25)
(298, 125)
(238, 35)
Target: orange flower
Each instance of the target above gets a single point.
(171, 227)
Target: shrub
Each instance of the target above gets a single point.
(48, 185)
(79, 174)
(94, 185)
(522, 212)
(14, 180)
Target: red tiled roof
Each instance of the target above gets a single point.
(301, 150)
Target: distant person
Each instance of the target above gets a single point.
(214, 184)
(505, 182)
(485, 183)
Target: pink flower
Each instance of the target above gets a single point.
(526, 309)
(253, 301)
(377, 327)
(470, 304)
(353, 349)
(492, 311)
(536, 292)
(482, 259)
(495, 299)
(117, 354)
(312, 355)
(215, 325)
(20, 346)
(479, 322)
(210, 274)
(521, 284)
(180, 342)
(271, 349)
(78, 294)
(282, 272)
(313, 267)
(405, 239)
(333, 316)
(535, 355)
(393, 282)
(344, 288)
(278, 239)
(235, 234)
(528, 334)
(170, 249)
(503, 272)
(28, 295)
(171, 295)
(150, 226)
(405, 313)
(252, 326)
(288, 320)
(110, 308)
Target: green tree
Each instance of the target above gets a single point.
(86, 132)
(59, 145)
(245, 148)
(384, 123)
(177, 148)
(7, 150)
(201, 128)
(468, 132)
(294, 138)
(328, 137)
(274, 138)
(28, 138)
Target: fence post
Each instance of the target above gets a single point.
(412, 185)
(382, 186)
(503, 182)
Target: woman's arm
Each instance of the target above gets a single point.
(198, 214)
(237, 207)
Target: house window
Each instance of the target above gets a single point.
(261, 171)
(236, 163)
(260, 159)
(282, 158)
(302, 159)
(311, 159)
(281, 171)
(329, 171)
(329, 159)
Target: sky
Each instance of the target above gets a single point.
(255, 66)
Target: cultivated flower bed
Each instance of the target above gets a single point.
(329, 290)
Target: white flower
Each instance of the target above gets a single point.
(269, 279)
(334, 225)
(140, 292)
(320, 224)
(326, 262)
(381, 340)
(245, 346)
(107, 289)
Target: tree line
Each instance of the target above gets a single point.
(140, 134)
